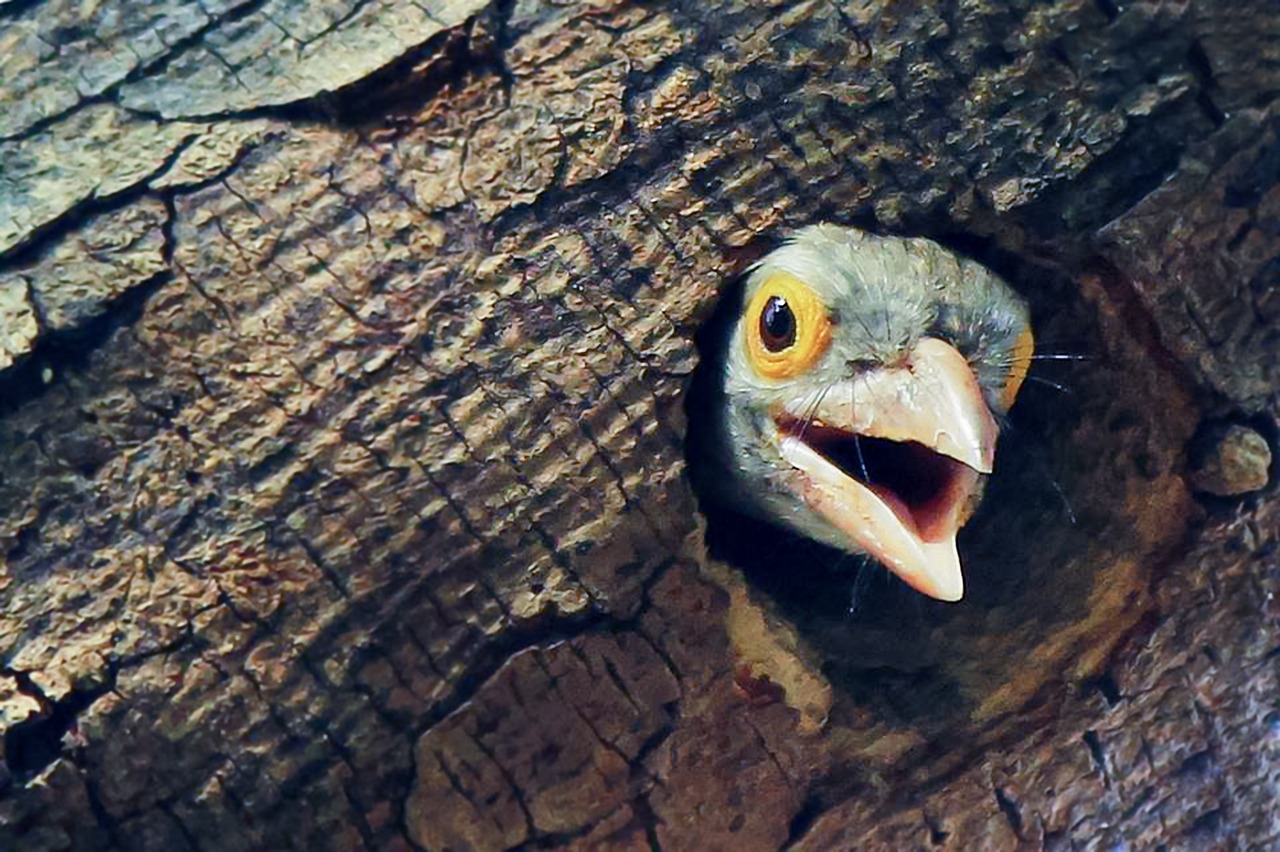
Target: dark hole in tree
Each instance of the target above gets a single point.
(1055, 523)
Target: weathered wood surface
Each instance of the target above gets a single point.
(342, 497)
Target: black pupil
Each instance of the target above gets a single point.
(777, 324)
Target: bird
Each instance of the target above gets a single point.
(860, 395)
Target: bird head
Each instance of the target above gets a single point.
(864, 384)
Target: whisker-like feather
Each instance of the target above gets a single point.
(862, 462)
(1047, 356)
(1041, 380)
(1037, 451)
(811, 411)
(806, 408)
(1062, 495)
(857, 439)
(862, 321)
(861, 581)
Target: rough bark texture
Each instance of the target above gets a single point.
(343, 357)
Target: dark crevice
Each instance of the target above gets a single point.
(1269, 428)
(536, 633)
(615, 677)
(32, 745)
(1200, 763)
(1094, 744)
(851, 27)
(566, 839)
(1200, 64)
(14, 8)
(1105, 685)
(810, 809)
(1202, 68)
(652, 742)
(1138, 802)
(1248, 189)
(36, 240)
(494, 53)
(402, 86)
(271, 464)
(188, 835)
(355, 811)
(317, 559)
(937, 835)
(106, 822)
(67, 350)
(650, 821)
(455, 783)
(40, 125)
(517, 792)
(24, 544)
(543, 632)
(1208, 823)
(1009, 808)
(70, 349)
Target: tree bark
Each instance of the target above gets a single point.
(344, 358)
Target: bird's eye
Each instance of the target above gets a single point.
(787, 327)
(777, 324)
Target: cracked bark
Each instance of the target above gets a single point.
(344, 352)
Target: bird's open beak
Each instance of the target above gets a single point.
(893, 460)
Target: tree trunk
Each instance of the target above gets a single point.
(344, 351)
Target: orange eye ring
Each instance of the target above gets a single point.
(808, 334)
(1019, 365)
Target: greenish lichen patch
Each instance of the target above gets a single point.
(19, 326)
(99, 152)
(285, 52)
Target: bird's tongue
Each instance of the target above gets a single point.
(909, 525)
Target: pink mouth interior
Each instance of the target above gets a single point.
(922, 487)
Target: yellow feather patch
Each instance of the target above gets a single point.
(1019, 365)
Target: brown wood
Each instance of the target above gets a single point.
(344, 351)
